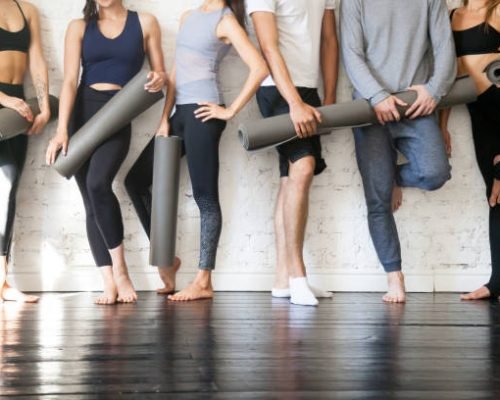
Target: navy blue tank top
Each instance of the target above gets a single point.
(115, 60)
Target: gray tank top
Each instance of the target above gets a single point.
(198, 55)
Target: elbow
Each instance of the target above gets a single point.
(261, 71)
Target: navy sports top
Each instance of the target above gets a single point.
(115, 60)
(480, 39)
(16, 41)
(198, 56)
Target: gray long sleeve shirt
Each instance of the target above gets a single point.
(389, 45)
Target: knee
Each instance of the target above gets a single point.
(206, 203)
(302, 172)
(433, 180)
(97, 188)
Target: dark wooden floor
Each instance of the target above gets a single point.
(247, 346)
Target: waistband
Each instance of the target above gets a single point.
(12, 90)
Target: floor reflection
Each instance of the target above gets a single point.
(246, 342)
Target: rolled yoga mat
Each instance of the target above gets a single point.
(165, 193)
(126, 105)
(493, 72)
(13, 124)
(278, 130)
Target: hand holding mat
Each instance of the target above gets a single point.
(493, 72)
(13, 124)
(165, 193)
(278, 130)
(127, 104)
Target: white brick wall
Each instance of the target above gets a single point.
(443, 234)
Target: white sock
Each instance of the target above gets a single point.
(300, 293)
(318, 293)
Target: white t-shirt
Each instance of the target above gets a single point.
(299, 28)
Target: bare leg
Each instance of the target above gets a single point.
(281, 277)
(167, 275)
(397, 198)
(110, 293)
(396, 292)
(478, 294)
(8, 293)
(295, 212)
(126, 292)
(200, 288)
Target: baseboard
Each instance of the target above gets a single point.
(80, 279)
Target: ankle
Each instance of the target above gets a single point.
(204, 279)
(120, 269)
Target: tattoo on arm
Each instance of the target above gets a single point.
(41, 91)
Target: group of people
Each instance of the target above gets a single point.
(387, 46)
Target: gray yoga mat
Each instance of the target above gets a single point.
(165, 193)
(493, 72)
(13, 124)
(126, 105)
(278, 130)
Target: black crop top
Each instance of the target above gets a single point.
(16, 41)
(476, 40)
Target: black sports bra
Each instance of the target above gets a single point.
(16, 41)
(476, 40)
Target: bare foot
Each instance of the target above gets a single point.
(200, 289)
(396, 292)
(397, 198)
(126, 291)
(12, 294)
(109, 295)
(478, 294)
(167, 275)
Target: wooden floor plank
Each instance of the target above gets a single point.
(249, 346)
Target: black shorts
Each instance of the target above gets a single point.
(271, 104)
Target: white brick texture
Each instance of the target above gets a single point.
(443, 234)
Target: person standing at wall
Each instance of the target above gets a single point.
(389, 46)
(476, 28)
(205, 36)
(111, 43)
(20, 49)
(298, 39)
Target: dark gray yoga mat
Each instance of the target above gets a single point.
(493, 72)
(165, 193)
(13, 124)
(278, 130)
(127, 104)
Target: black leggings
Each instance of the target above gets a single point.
(12, 158)
(95, 178)
(201, 146)
(485, 127)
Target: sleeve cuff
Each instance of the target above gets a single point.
(433, 93)
(377, 98)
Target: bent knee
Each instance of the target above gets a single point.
(436, 179)
(98, 188)
(302, 171)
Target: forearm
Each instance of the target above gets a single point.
(330, 69)
(444, 116)
(169, 101)
(66, 104)
(281, 76)
(40, 78)
(252, 84)
(445, 61)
